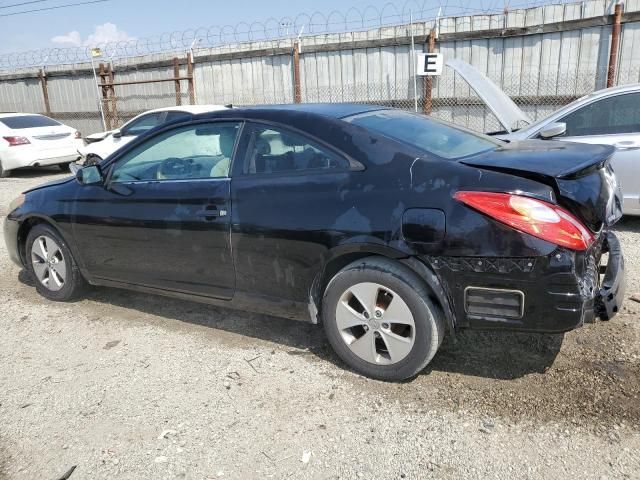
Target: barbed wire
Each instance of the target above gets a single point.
(271, 29)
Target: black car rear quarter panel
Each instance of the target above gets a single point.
(286, 229)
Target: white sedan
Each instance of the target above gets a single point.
(101, 145)
(31, 140)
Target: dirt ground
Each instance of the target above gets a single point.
(133, 386)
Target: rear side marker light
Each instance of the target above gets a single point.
(15, 141)
(535, 217)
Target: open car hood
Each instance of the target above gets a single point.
(508, 113)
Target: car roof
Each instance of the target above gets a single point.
(605, 92)
(195, 109)
(18, 114)
(333, 110)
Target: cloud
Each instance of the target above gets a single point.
(105, 33)
(72, 39)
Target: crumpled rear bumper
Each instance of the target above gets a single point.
(548, 294)
(609, 299)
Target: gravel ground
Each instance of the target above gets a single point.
(132, 386)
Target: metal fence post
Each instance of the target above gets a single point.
(615, 42)
(191, 86)
(45, 91)
(105, 105)
(114, 100)
(297, 91)
(176, 76)
(427, 105)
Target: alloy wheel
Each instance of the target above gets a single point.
(49, 263)
(375, 323)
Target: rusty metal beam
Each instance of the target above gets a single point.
(428, 80)
(297, 89)
(114, 100)
(45, 91)
(176, 77)
(105, 95)
(191, 86)
(139, 82)
(615, 44)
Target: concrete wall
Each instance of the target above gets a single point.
(539, 58)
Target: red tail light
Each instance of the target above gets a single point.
(540, 219)
(15, 141)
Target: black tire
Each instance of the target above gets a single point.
(64, 167)
(427, 316)
(74, 283)
(4, 173)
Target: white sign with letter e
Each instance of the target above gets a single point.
(429, 64)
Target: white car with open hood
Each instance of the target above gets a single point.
(32, 140)
(608, 117)
(101, 145)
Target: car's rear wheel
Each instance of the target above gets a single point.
(380, 320)
(50, 262)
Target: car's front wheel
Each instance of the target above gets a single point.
(379, 319)
(52, 266)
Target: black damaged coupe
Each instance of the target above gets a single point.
(391, 229)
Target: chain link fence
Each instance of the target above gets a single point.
(449, 98)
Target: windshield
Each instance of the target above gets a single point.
(427, 134)
(28, 121)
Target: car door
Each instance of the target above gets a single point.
(161, 219)
(613, 120)
(286, 195)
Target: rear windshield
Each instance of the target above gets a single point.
(28, 121)
(425, 133)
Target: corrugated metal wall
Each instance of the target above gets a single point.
(542, 71)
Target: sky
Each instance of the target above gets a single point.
(115, 20)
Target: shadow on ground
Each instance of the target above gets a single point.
(493, 355)
(628, 224)
(38, 172)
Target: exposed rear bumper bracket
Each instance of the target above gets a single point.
(611, 295)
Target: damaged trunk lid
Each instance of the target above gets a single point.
(580, 174)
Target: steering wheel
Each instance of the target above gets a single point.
(175, 168)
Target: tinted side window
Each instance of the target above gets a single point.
(272, 150)
(144, 123)
(619, 114)
(193, 152)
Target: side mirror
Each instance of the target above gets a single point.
(91, 175)
(117, 133)
(553, 130)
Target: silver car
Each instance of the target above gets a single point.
(610, 117)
